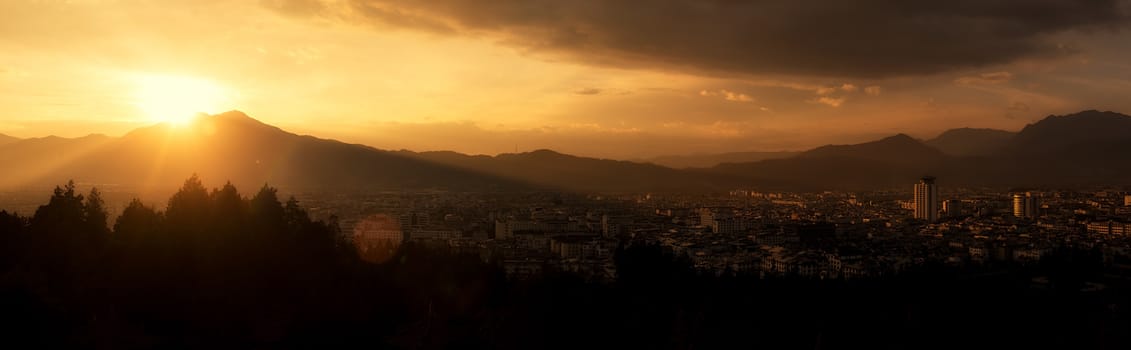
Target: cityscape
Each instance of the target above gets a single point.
(586, 174)
(827, 235)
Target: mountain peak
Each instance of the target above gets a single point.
(237, 121)
(1088, 116)
(971, 141)
(1092, 113)
(1084, 131)
(544, 152)
(232, 114)
(899, 147)
(900, 138)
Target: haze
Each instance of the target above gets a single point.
(608, 79)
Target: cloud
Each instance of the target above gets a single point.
(1015, 108)
(728, 95)
(866, 38)
(824, 90)
(849, 87)
(873, 90)
(829, 101)
(985, 79)
(587, 91)
(296, 7)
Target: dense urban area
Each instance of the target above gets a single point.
(827, 235)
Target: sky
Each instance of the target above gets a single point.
(615, 79)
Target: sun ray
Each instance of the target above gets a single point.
(177, 100)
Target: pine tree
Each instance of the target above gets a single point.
(94, 213)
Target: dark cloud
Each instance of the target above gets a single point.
(864, 38)
(985, 79)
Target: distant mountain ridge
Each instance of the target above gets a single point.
(972, 142)
(5, 139)
(228, 146)
(899, 148)
(1074, 150)
(1080, 149)
(713, 159)
(234, 147)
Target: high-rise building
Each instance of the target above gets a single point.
(927, 199)
(1025, 205)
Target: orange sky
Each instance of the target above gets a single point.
(637, 78)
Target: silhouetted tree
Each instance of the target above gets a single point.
(12, 239)
(64, 213)
(267, 213)
(94, 213)
(11, 224)
(189, 207)
(294, 215)
(137, 222)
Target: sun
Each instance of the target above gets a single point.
(177, 100)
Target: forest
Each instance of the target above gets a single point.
(218, 269)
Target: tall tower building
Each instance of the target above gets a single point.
(1025, 205)
(927, 199)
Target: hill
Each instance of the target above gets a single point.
(891, 161)
(900, 149)
(229, 146)
(1086, 148)
(5, 139)
(710, 160)
(1081, 149)
(562, 171)
(972, 142)
(232, 146)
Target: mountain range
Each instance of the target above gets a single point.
(1086, 148)
(5, 139)
(707, 160)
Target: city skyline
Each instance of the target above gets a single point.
(548, 174)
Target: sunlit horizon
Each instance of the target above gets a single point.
(178, 100)
(444, 80)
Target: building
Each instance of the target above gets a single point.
(720, 220)
(615, 225)
(952, 207)
(1127, 200)
(927, 199)
(1025, 205)
(1109, 227)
